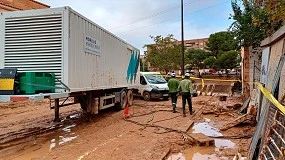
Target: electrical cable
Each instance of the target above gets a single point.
(168, 130)
(124, 32)
(166, 119)
(153, 15)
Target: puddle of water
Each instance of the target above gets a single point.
(200, 153)
(44, 145)
(196, 153)
(208, 130)
(204, 153)
(68, 128)
(75, 116)
(179, 156)
(33, 152)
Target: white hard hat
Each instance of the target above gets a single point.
(173, 74)
(187, 75)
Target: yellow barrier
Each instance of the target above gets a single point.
(271, 98)
(265, 92)
(204, 79)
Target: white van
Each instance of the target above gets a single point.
(153, 86)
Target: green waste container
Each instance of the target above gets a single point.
(37, 82)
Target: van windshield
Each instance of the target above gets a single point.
(155, 79)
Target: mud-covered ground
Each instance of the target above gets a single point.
(152, 131)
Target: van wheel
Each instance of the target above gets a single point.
(146, 96)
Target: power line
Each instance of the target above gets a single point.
(121, 33)
(153, 15)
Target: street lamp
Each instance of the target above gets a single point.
(182, 39)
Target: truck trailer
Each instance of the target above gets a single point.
(92, 65)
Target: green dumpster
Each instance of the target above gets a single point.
(37, 82)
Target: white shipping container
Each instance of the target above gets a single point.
(83, 55)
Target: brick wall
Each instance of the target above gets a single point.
(196, 43)
(254, 66)
(245, 54)
(6, 5)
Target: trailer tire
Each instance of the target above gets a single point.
(83, 106)
(130, 97)
(146, 96)
(82, 101)
(121, 105)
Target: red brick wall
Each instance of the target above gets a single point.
(21, 5)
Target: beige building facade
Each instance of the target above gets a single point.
(195, 43)
(199, 43)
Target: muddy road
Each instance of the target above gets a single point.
(152, 131)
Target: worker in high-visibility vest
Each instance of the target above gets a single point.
(186, 89)
(173, 84)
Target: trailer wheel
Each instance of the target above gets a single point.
(83, 106)
(130, 97)
(82, 101)
(121, 105)
(146, 96)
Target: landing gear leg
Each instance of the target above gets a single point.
(56, 110)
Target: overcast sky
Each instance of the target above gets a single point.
(135, 20)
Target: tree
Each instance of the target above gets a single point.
(221, 41)
(269, 15)
(243, 27)
(210, 62)
(164, 54)
(228, 60)
(195, 57)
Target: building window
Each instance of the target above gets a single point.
(190, 44)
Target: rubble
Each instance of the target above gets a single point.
(246, 118)
(202, 140)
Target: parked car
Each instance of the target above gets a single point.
(233, 72)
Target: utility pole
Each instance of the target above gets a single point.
(182, 39)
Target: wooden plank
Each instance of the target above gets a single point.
(236, 121)
(166, 154)
(186, 126)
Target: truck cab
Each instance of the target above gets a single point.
(153, 86)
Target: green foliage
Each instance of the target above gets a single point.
(164, 54)
(256, 20)
(269, 15)
(220, 42)
(228, 60)
(195, 57)
(243, 26)
(210, 62)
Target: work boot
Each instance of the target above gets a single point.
(184, 114)
(174, 106)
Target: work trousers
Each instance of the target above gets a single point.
(173, 96)
(186, 96)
